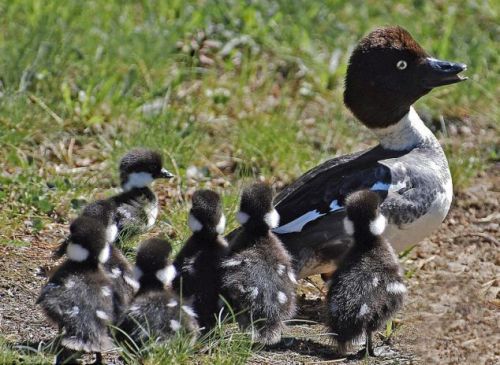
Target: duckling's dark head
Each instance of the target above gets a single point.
(389, 71)
(153, 262)
(363, 214)
(88, 241)
(206, 214)
(257, 210)
(139, 167)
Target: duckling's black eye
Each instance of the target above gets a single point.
(401, 65)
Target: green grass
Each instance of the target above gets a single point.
(241, 89)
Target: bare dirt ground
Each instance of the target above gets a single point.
(451, 316)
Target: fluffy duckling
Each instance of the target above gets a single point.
(137, 206)
(367, 289)
(258, 274)
(156, 313)
(116, 267)
(79, 295)
(135, 209)
(198, 263)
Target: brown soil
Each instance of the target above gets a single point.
(452, 313)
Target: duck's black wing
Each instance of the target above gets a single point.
(312, 208)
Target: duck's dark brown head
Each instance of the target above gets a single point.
(389, 71)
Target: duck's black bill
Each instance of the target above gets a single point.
(165, 174)
(440, 73)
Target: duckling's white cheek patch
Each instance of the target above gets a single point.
(242, 217)
(138, 180)
(272, 219)
(221, 226)
(76, 252)
(104, 255)
(348, 226)
(194, 224)
(137, 272)
(377, 226)
(166, 275)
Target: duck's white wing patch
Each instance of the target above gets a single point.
(334, 205)
(379, 185)
(297, 224)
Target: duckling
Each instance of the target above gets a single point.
(367, 289)
(258, 273)
(198, 263)
(79, 295)
(116, 267)
(135, 209)
(156, 313)
(137, 206)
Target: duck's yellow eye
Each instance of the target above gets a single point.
(401, 65)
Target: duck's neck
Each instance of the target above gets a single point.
(406, 134)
